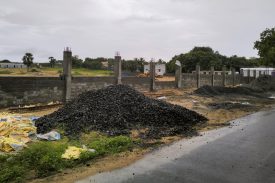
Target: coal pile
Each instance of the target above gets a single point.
(116, 110)
(220, 90)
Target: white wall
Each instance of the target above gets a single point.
(159, 68)
(12, 65)
(264, 71)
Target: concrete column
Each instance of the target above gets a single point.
(117, 69)
(241, 76)
(178, 75)
(233, 70)
(212, 75)
(152, 76)
(198, 75)
(248, 75)
(223, 76)
(255, 74)
(67, 73)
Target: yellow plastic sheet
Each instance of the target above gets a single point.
(15, 132)
(9, 144)
(73, 152)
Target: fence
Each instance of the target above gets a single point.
(15, 91)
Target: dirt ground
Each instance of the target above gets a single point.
(218, 117)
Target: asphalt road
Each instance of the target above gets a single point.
(244, 152)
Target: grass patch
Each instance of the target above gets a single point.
(42, 159)
(5, 72)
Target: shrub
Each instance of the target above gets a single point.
(44, 157)
(111, 145)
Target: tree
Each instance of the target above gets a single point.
(5, 61)
(266, 46)
(28, 60)
(76, 61)
(95, 64)
(205, 56)
(52, 61)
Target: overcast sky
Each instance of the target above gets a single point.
(136, 28)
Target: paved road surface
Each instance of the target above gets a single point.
(242, 153)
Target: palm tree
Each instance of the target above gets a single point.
(28, 60)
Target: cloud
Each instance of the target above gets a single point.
(136, 28)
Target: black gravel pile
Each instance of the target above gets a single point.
(116, 110)
(220, 90)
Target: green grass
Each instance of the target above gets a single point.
(42, 159)
(5, 72)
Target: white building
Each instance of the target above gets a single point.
(160, 69)
(258, 71)
(12, 65)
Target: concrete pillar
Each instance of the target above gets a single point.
(233, 74)
(241, 76)
(198, 77)
(255, 74)
(248, 75)
(223, 75)
(212, 75)
(152, 76)
(67, 73)
(117, 69)
(178, 75)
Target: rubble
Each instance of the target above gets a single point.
(264, 83)
(117, 110)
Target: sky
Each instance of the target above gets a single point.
(136, 28)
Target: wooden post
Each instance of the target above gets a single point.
(198, 70)
(212, 75)
(223, 75)
(152, 76)
(67, 74)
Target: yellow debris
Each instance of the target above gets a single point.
(10, 144)
(73, 152)
(15, 132)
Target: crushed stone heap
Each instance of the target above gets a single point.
(117, 110)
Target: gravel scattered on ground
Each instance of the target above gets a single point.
(264, 83)
(117, 110)
(220, 90)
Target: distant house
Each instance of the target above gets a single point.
(258, 71)
(12, 65)
(160, 69)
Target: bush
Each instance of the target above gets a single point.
(5, 72)
(34, 70)
(111, 145)
(15, 173)
(44, 157)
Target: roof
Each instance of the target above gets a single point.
(259, 68)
